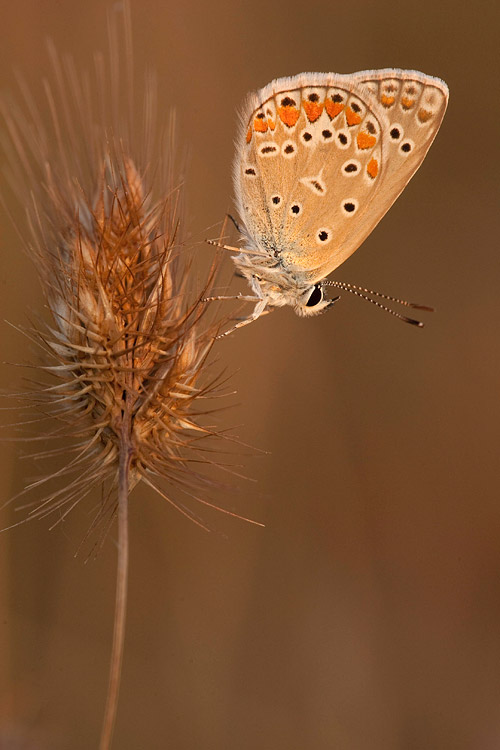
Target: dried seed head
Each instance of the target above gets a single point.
(128, 339)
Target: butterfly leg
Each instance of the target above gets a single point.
(240, 297)
(258, 310)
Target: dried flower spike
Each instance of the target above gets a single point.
(128, 341)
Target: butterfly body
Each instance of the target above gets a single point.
(278, 284)
(320, 159)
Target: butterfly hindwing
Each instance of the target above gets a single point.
(414, 106)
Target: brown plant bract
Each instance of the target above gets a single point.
(127, 338)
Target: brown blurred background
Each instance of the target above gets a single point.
(367, 613)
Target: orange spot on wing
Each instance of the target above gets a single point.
(365, 140)
(259, 125)
(407, 103)
(271, 123)
(372, 168)
(424, 115)
(313, 110)
(387, 101)
(353, 118)
(288, 115)
(249, 134)
(333, 108)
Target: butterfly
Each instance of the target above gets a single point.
(320, 158)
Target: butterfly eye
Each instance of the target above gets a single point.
(315, 297)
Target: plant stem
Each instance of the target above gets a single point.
(121, 590)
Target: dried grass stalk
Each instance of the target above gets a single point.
(127, 342)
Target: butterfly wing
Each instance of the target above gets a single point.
(415, 105)
(317, 168)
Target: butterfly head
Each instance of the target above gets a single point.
(279, 287)
(306, 301)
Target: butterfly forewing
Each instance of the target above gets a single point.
(309, 169)
(319, 160)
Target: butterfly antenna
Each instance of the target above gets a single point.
(364, 294)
